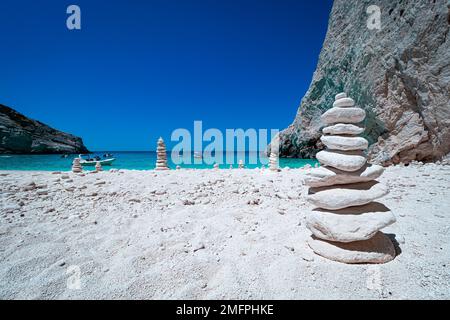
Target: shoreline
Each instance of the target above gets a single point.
(148, 170)
(142, 161)
(208, 234)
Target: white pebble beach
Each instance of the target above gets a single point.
(208, 234)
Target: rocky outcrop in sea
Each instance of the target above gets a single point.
(399, 74)
(19, 134)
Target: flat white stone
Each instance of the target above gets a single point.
(346, 195)
(345, 143)
(349, 224)
(343, 128)
(346, 161)
(344, 115)
(378, 249)
(340, 96)
(344, 103)
(328, 176)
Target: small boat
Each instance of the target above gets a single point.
(93, 162)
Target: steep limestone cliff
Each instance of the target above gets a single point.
(399, 74)
(19, 134)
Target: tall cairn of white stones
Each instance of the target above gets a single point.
(273, 162)
(161, 155)
(76, 166)
(346, 222)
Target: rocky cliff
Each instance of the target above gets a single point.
(400, 74)
(19, 134)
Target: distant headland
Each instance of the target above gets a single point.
(22, 135)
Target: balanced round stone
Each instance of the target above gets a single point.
(346, 161)
(344, 103)
(348, 195)
(378, 249)
(343, 128)
(327, 176)
(345, 115)
(349, 224)
(345, 143)
(340, 96)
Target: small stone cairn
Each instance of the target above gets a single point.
(346, 222)
(273, 162)
(98, 166)
(76, 166)
(161, 155)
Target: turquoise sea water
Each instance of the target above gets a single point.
(140, 161)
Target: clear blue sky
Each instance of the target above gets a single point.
(140, 69)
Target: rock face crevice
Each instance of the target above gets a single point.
(399, 74)
(22, 135)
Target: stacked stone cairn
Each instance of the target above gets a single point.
(161, 155)
(346, 222)
(76, 166)
(273, 162)
(98, 166)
